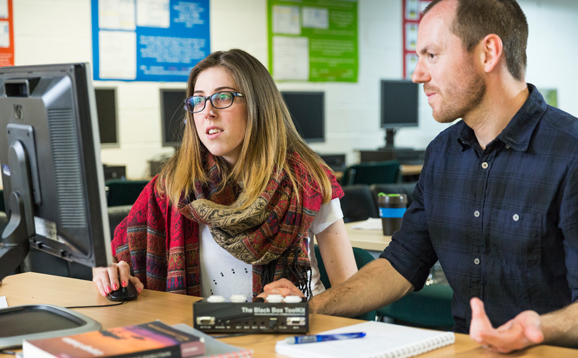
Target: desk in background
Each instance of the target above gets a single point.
(370, 240)
(407, 171)
(33, 288)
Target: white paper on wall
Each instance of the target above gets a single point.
(3, 9)
(286, 20)
(153, 13)
(290, 58)
(117, 54)
(315, 18)
(411, 36)
(116, 14)
(4, 34)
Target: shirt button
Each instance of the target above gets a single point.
(485, 165)
(476, 261)
(476, 213)
(516, 217)
(507, 147)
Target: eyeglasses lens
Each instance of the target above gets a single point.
(222, 99)
(219, 100)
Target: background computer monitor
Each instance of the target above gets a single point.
(51, 170)
(106, 110)
(399, 107)
(307, 111)
(172, 116)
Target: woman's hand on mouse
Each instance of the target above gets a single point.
(113, 277)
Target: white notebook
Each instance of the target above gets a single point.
(382, 340)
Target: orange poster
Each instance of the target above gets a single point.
(6, 33)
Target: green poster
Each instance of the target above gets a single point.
(313, 40)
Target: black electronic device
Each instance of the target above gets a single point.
(114, 172)
(172, 116)
(399, 107)
(127, 293)
(51, 170)
(251, 317)
(106, 110)
(335, 161)
(307, 110)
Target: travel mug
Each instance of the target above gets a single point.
(391, 210)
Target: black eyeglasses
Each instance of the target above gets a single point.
(219, 100)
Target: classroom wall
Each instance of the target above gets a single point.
(56, 31)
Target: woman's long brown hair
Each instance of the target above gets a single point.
(269, 139)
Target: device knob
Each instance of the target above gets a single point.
(216, 299)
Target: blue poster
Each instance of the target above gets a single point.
(148, 40)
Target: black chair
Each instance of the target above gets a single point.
(431, 308)
(372, 173)
(358, 203)
(2, 207)
(362, 258)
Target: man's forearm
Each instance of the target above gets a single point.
(561, 327)
(375, 285)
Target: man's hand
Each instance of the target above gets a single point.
(520, 332)
(281, 287)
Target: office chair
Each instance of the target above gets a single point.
(362, 258)
(372, 173)
(431, 307)
(358, 203)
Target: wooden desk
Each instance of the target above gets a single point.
(371, 240)
(33, 288)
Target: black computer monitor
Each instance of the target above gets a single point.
(53, 186)
(51, 170)
(106, 110)
(307, 111)
(172, 116)
(399, 107)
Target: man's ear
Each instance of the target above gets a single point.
(491, 51)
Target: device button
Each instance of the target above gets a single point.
(292, 299)
(216, 299)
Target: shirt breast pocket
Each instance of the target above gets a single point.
(516, 238)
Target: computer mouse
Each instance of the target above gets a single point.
(127, 293)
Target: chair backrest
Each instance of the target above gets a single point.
(362, 258)
(124, 192)
(358, 203)
(372, 173)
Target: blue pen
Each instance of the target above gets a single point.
(323, 338)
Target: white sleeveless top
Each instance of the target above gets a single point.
(224, 275)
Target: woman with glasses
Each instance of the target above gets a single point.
(238, 204)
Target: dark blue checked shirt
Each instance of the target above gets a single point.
(503, 221)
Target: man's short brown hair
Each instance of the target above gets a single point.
(475, 19)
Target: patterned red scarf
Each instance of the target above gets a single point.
(161, 241)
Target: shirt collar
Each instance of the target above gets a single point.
(518, 132)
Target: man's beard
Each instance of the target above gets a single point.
(460, 99)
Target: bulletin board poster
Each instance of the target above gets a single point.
(313, 40)
(6, 34)
(412, 14)
(148, 40)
